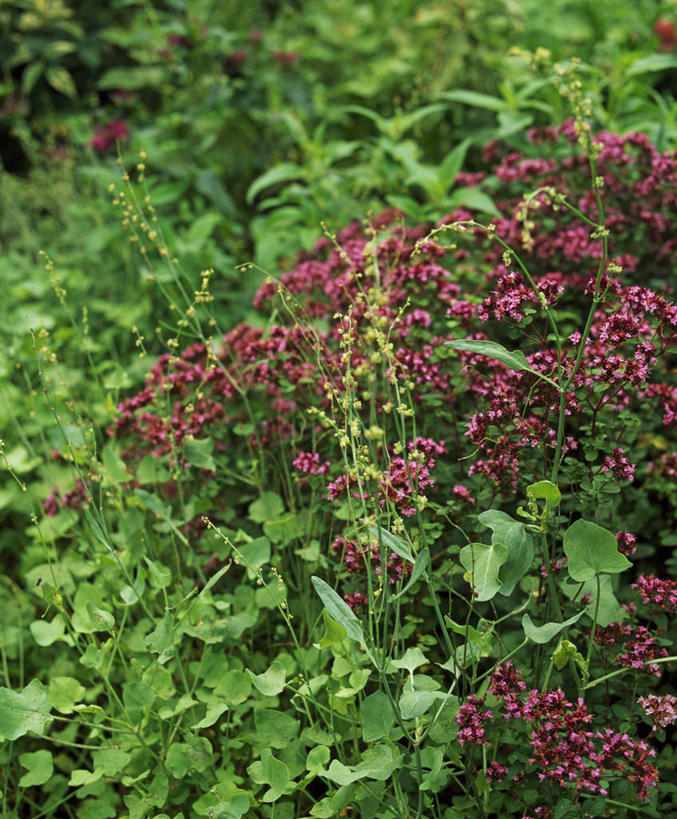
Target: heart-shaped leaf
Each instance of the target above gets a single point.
(592, 550)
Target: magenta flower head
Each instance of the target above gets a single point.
(107, 135)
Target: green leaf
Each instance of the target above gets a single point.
(24, 711)
(514, 359)
(61, 81)
(284, 172)
(392, 542)
(414, 704)
(333, 633)
(591, 550)
(45, 633)
(133, 78)
(103, 620)
(110, 761)
(31, 74)
(317, 758)
(198, 453)
(136, 696)
(482, 563)
(419, 569)
(609, 610)
(271, 682)
(160, 576)
(40, 768)
(512, 534)
(411, 660)
(654, 62)
(275, 729)
(376, 717)
(475, 99)
(196, 754)
(545, 633)
(268, 507)
(255, 554)
(82, 777)
(377, 763)
(214, 712)
(545, 490)
(64, 693)
(339, 610)
(472, 198)
(452, 163)
(270, 771)
(114, 469)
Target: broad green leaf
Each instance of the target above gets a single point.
(472, 198)
(103, 620)
(40, 768)
(269, 506)
(339, 610)
(270, 771)
(514, 359)
(475, 99)
(114, 469)
(196, 754)
(275, 729)
(214, 711)
(24, 711)
(198, 453)
(333, 632)
(45, 633)
(483, 562)
(284, 172)
(110, 761)
(393, 543)
(452, 163)
(377, 763)
(414, 704)
(82, 777)
(271, 682)
(136, 696)
(376, 717)
(545, 490)
(411, 659)
(512, 534)
(317, 758)
(133, 78)
(254, 554)
(545, 633)
(160, 576)
(592, 550)
(162, 639)
(64, 693)
(654, 62)
(419, 569)
(609, 609)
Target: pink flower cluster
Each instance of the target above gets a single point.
(660, 593)
(638, 646)
(661, 709)
(106, 135)
(309, 463)
(566, 749)
(358, 559)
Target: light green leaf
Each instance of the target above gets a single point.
(196, 754)
(654, 62)
(254, 554)
(160, 576)
(103, 620)
(133, 78)
(411, 660)
(81, 777)
(482, 563)
(339, 610)
(512, 534)
(475, 99)
(270, 771)
(214, 712)
(271, 682)
(414, 704)
(609, 609)
(392, 542)
(45, 633)
(137, 696)
(472, 198)
(269, 506)
(592, 550)
(284, 172)
(64, 693)
(452, 163)
(514, 359)
(24, 711)
(545, 633)
(198, 453)
(376, 716)
(545, 490)
(419, 570)
(275, 729)
(377, 763)
(40, 768)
